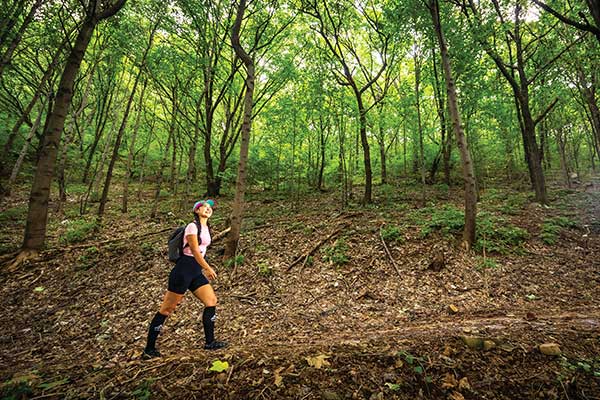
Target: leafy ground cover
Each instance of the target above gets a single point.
(350, 320)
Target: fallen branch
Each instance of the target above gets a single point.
(315, 248)
(387, 251)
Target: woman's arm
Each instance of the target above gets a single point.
(193, 243)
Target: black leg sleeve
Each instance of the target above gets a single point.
(208, 320)
(154, 330)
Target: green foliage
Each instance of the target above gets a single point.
(79, 230)
(143, 391)
(552, 227)
(446, 219)
(264, 269)
(486, 263)
(147, 248)
(336, 254)
(497, 235)
(237, 260)
(19, 387)
(587, 366)
(89, 257)
(416, 363)
(392, 233)
(14, 214)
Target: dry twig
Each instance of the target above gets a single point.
(387, 251)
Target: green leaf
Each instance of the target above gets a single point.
(418, 369)
(39, 289)
(393, 386)
(219, 366)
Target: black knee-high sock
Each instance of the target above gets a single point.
(208, 320)
(154, 330)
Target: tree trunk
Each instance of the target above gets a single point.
(419, 124)
(467, 164)
(163, 165)
(130, 155)
(564, 167)
(102, 118)
(17, 167)
(35, 230)
(238, 204)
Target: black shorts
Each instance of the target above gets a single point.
(187, 274)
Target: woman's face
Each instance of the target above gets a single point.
(205, 210)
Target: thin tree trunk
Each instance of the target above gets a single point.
(419, 124)
(238, 204)
(468, 170)
(130, 155)
(163, 165)
(17, 167)
(564, 167)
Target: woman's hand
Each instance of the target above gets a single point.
(210, 273)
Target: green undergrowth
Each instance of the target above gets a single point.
(337, 253)
(552, 227)
(14, 215)
(79, 230)
(495, 233)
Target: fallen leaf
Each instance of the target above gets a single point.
(449, 381)
(456, 396)
(318, 361)
(219, 366)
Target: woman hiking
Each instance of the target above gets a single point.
(190, 272)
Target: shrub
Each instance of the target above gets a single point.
(237, 260)
(497, 235)
(78, 231)
(265, 269)
(446, 219)
(336, 254)
(391, 233)
(552, 227)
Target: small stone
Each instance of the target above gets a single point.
(550, 349)
(473, 342)
(453, 309)
(488, 345)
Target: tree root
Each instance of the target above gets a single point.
(19, 259)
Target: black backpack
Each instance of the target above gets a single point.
(176, 242)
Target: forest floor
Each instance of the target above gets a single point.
(348, 321)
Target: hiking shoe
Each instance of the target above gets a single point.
(215, 345)
(152, 353)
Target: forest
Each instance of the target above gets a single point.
(406, 197)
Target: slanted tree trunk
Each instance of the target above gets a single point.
(240, 187)
(17, 167)
(467, 164)
(37, 215)
(36, 96)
